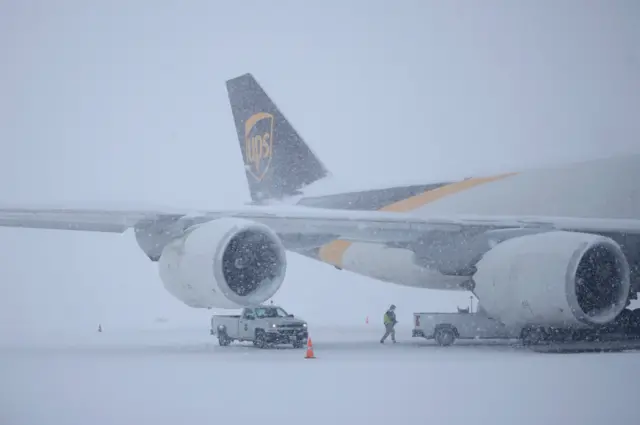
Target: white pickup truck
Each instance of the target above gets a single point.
(263, 325)
(445, 328)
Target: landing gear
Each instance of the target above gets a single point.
(532, 335)
(629, 320)
(621, 334)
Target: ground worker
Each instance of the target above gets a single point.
(389, 324)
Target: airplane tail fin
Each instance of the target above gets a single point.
(278, 163)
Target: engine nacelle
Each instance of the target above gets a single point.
(224, 263)
(560, 279)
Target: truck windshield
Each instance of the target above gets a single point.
(263, 312)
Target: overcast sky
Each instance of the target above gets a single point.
(125, 102)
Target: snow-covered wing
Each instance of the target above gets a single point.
(356, 225)
(353, 225)
(579, 224)
(72, 219)
(375, 226)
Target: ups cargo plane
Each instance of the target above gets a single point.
(555, 248)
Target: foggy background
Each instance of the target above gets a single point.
(124, 102)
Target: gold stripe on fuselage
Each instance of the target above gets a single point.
(333, 252)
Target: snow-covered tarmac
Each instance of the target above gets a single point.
(182, 376)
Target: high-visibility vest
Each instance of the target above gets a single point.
(387, 319)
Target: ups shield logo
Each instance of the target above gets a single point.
(258, 144)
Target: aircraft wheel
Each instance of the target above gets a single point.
(533, 335)
(635, 318)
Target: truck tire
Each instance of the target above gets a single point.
(445, 336)
(223, 340)
(261, 340)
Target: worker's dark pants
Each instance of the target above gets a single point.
(389, 328)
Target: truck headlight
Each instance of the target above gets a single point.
(274, 326)
(304, 325)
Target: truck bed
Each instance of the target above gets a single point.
(231, 322)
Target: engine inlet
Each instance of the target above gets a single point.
(250, 259)
(600, 282)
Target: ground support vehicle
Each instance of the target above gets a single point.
(263, 325)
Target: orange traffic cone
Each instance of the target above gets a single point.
(309, 354)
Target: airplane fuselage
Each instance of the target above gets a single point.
(605, 188)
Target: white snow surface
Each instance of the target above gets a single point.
(169, 376)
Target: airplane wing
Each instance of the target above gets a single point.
(363, 226)
(94, 220)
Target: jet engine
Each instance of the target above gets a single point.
(224, 263)
(556, 279)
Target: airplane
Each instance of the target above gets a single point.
(546, 248)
